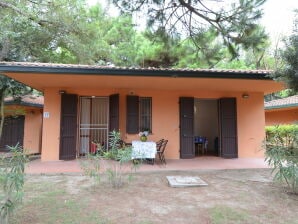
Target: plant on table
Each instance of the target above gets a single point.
(143, 135)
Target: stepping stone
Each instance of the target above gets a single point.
(185, 181)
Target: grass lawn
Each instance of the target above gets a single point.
(232, 196)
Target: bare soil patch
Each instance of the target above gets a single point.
(232, 196)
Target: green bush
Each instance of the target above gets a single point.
(114, 162)
(282, 153)
(12, 178)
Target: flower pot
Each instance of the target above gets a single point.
(143, 138)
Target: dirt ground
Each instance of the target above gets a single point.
(232, 196)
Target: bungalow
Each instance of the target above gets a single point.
(23, 123)
(282, 111)
(82, 103)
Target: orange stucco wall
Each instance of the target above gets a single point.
(165, 118)
(32, 132)
(51, 125)
(281, 116)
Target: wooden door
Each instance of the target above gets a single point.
(228, 128)
(187, 147)
(13, 132)
(114, 112)
(68, 131)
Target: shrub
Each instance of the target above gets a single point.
(282, 153)
(114, 163)
(12, 179)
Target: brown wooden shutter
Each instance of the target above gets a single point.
(114, 113)
(132, 114)
(228, 128)
(68, 130)
(13, 132)
(187, 149)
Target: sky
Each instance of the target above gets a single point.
(278, 17)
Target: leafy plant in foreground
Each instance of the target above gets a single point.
(115, 162)
(282, 154)
(12, 178)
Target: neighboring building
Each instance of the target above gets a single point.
(282, 111)
(83, 103)
(23, 123)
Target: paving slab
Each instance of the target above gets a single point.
(186, 181)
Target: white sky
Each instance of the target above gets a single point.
(278, 16)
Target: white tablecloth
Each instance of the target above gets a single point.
(143, 150)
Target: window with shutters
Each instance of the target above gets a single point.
(145, 114)
(139, 114)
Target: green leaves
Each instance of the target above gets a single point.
(12, 178)
(282, 153)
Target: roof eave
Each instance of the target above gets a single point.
(290, 106)
(134, 72)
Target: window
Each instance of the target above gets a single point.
(139, 114)
(145, 114)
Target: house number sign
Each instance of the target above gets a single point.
(46, 114)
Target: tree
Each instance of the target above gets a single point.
(288, 73)
(63, 31)
(236, 22)
(10, 87)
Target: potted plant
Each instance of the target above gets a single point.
(143, 135)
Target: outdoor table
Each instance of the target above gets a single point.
(143, 150)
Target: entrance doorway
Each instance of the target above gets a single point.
(211, 121)
(206, 128)
(94, 123)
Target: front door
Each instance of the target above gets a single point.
(68, 130)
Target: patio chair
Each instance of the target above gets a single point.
(161, 150)
(158, 146)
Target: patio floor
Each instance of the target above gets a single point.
(207, 162)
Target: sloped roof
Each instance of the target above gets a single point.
(29, 100)
(132, 71)
(291, 101)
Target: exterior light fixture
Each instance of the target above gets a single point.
(62, 91)
(245, 96)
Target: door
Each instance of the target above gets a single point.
(13, 132)
(187, 147)
(114, 112)
(228, 128)
(68, 131)
(94, 122)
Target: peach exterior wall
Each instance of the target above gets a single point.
(51, 125)
(32, 131)
(275, 117)
(165, 114)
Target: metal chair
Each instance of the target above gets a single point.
(161, 150)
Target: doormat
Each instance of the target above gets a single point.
(185, 181)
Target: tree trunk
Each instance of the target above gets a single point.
(1, 112)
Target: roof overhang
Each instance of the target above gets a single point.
(41, 76)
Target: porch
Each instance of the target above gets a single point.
(207, 162)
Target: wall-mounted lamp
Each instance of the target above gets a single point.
(62, 91)
(245, 96)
